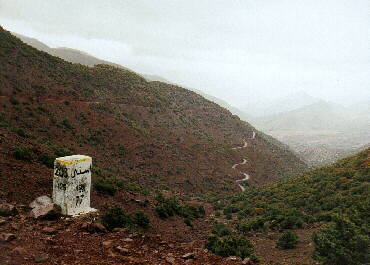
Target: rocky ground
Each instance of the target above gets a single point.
(83, 240)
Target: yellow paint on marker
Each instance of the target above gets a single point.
(71, 160)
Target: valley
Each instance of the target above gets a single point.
(176, 178)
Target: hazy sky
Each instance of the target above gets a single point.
(239, 50)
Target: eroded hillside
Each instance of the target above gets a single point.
(150, 134)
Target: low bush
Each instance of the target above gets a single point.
(167, 207)
(62, 151)
(21, 132)
(105, 186)
(287, 240)
(220, 229)
(22, 153)
(141, 219)
(254, 224)
(187, 221)
(230, 244)
(47, 160)
(190, 211)
(116, 217)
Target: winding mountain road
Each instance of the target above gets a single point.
(246, 176)
(242, 163)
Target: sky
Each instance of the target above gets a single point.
(242, 51)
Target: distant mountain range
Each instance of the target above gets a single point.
(321, 132)
(287, 103)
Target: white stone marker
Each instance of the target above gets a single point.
(72, 184)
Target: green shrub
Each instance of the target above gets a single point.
(47, 160)
(190, 211)
(13, 100)
(21, 133)
(116, 217)
(220, 229)
(287, 240)
(105, 186)
(342, 243)
(167, 207)
(62, 151)
(22, 153)
(141, 219)
(67, 124)
(121, 149)
(187, 221)
(231, 245)
(254, 224)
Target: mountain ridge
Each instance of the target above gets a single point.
(147, 124)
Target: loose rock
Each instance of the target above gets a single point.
(94, 227)
(171, 260)
(41, 258)
(19, 251)
(7, 209)
(50, 211)
(123, 251)
(247, 261)
(7, 237)
(107, 243)
(188, 256)
(41, 201)
(50, 230)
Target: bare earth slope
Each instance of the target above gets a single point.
(154, 134)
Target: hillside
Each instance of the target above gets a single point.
(145, 138)
(321, 132)
(68, 54)
(307, 202)
(149, 133)
(76, 56)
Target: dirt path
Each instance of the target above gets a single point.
(246, 176)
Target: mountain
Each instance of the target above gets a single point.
(148, 133)
(76, 56)
(68, 54)
(321, 132)
(321, 115)
(159, 151)
(285, 104)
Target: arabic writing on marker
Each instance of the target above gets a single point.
(75, 172)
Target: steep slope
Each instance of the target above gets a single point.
(146, 133)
